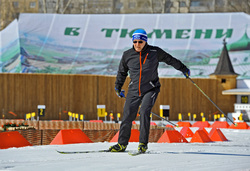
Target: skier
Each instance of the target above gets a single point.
(141, 61)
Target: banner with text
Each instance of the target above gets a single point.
(93, 44)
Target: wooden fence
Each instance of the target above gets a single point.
(21, 93)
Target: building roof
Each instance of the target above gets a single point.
(236, 92)
(224, 66)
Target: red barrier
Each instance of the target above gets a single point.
(186, 132)
(202, 128)
(240, 125)
(201, 137)
(201, 124)
(100, 121)
(220, 124)
(184, 124)
(172, 136)
(153, 123)
(133, 138)
(216, 135)
(70, 136)
(12, 139)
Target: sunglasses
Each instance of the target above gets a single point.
(138, 42)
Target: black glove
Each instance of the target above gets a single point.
(120, 93)
(186, 73)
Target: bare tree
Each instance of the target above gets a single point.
(7, 13)
(169, 4)
(44, 6)
(163, 4)
(57, 5)
(66, 6)
(151, 6)
(239, 6)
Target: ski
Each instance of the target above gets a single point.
(78, 152)
(98, 151)
(135, 154)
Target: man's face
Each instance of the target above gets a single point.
(139, 44)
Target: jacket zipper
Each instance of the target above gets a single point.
(141, 71)
(140, 76)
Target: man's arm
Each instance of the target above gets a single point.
(122, 74)
(170, 60)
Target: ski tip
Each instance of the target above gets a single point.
(177, 125)
(136, 153)
(61, 152)
(235, 124)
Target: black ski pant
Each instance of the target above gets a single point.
(130, 112)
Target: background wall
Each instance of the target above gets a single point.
(21, 93)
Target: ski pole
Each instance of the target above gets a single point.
(165, 119)
(210, 99)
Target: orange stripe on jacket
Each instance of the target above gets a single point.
(140, 76)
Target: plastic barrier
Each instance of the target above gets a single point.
(70, 136)
(220, 124)
(184, 124)
(169, 126)
(133, 138)
(12, 139)
(200, 137)
(100, 121)
(153, 123)
(172, 136)
(240, 125)
(216, 135)
(186, 132)
(203, 129)
(201, 124)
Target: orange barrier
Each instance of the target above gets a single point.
(220, 124)
(186, 132)
(169, 126)
(184, 124)
(201, 137)
(133, 138)
(240, 125)
(70, 136)
(12, 139)
(203, 129)
(153, 123)
(101, 121)
(172, 136)
(216, 135)
(201, 124)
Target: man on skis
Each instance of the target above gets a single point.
(141, 61)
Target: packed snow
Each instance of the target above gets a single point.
(227, 155)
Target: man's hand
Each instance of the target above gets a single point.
(186, 73)
(120, 93)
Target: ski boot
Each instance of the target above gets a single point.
(142, 148)
(117, 148)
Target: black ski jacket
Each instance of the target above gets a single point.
(142, 67)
